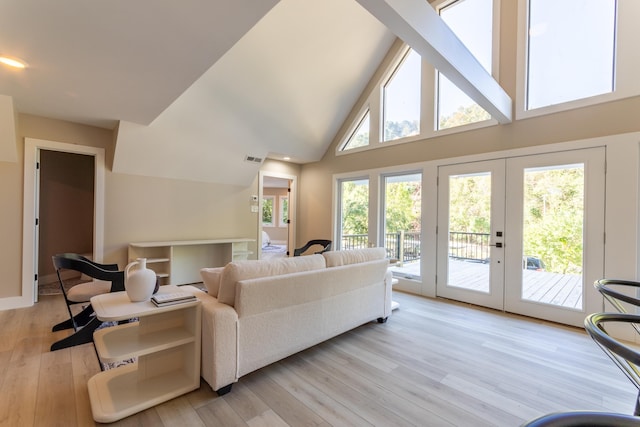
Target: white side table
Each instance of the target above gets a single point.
(166, 341)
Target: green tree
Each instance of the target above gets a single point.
(470, 203)
(267, 211)
(402, 206)
(361, 136)
(464, 115)
(359, 140)
(284, 207)
(553, 217)
(396, 130)
(355, 207)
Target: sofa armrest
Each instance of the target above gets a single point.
(219, 341)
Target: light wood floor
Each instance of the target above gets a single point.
(433, 363)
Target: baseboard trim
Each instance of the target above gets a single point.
(15, 302)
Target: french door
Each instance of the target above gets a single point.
(471, 233)
(524, 234)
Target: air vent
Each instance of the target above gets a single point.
(253, 159)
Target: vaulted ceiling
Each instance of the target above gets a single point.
(194, 87)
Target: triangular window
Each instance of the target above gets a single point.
(360, 136)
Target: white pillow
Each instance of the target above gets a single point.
(211, 278)
(353, 256)
(266, 240)
(252, 269)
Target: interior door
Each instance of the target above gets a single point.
(470, 233)
(36, 232)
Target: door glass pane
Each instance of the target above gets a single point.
(553, 229)
(354, 214)
(402, 223)
(469, 231)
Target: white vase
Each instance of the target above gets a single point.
(139, 283)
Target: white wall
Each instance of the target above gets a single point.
(136, 208)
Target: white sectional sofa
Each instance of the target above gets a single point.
(258, 312)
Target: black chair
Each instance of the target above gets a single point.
(584, 419)
(625, 357)
(326, 246)
(107, 278)
(610, 290)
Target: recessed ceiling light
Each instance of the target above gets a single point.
(12, 62)
(286, 158)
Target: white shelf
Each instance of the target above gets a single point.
(178, 262)
(125, 341)
(190, 242)
(157, 260)
(166, 342)
(242, 253)
(118, 393)
(119, 307)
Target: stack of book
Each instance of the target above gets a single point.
(163, 300)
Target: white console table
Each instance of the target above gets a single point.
(166, 341)
(178, 262)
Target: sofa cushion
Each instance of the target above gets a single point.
(338, 258)
(211, 278)
(242, 270)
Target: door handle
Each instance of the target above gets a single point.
(497, 245)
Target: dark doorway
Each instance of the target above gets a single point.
(65, 209)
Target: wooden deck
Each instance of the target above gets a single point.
(541, 286)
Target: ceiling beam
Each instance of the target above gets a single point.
(420, 26)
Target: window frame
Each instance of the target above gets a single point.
(626, 84)
(354, 128)
(428, 104)
(495, 68)
(390, 75)
(338, 220)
